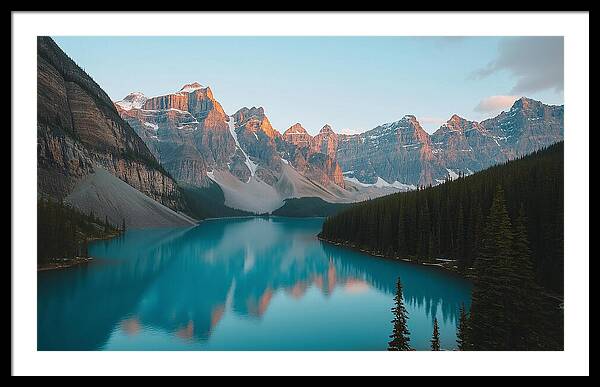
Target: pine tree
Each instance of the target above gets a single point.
(461, 330)
(400, 334)
(123, 226)
(435, 339)
(488, 324)
(474, 235)
(386, 234)
(490, 252)
(460, 234)
(402, 240)
(525, 312)
(424, 230)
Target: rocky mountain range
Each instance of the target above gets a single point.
(403, 152)
(79, 133)
(259, 167)
(256, 167)
(182, 151)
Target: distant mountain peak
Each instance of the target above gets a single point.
(326, 129)
(133, 100)
(190, 87)
(297, 128)
(525, 103)
(251, 112)
(456, 118)
(456, 122)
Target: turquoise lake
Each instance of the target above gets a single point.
(240, 284)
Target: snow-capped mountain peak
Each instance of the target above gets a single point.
(133, 100)
(190, 87)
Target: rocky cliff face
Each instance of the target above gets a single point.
(187, 131)
(403, 152)
(528, 126)
(297, 136)
(258, 139)
(79, 128)
(315, 157)
(400, 152)
(466, 146)
(193, 138)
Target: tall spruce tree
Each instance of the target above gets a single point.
(400, 335)
(489, 326)
(402, 240)
(536, 181)
(424, 230)
(525, 294)
(460, 235)
(435, 339)
(461, 329)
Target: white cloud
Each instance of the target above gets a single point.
(495, 103)
(537, 63)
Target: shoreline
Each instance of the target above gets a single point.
(64, 263)
(261, 216)
(440, 266)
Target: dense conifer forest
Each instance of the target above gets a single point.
(447, 221)
(504, 229)
(64, 232)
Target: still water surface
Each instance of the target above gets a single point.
(239, 284)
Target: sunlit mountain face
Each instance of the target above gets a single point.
(239, 284)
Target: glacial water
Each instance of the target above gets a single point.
(240, 284)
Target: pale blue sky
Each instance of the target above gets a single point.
(352, 83)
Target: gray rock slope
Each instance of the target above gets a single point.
(106, 194)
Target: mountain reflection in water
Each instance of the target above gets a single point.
(239, 284)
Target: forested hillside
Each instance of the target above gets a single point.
(63, 232)
(447, 221)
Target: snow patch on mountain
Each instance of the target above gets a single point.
(191, 87)
(381, 183)
(453, 175)
(132, 101)
(252, 166)
(356, 181)
(151, 125)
